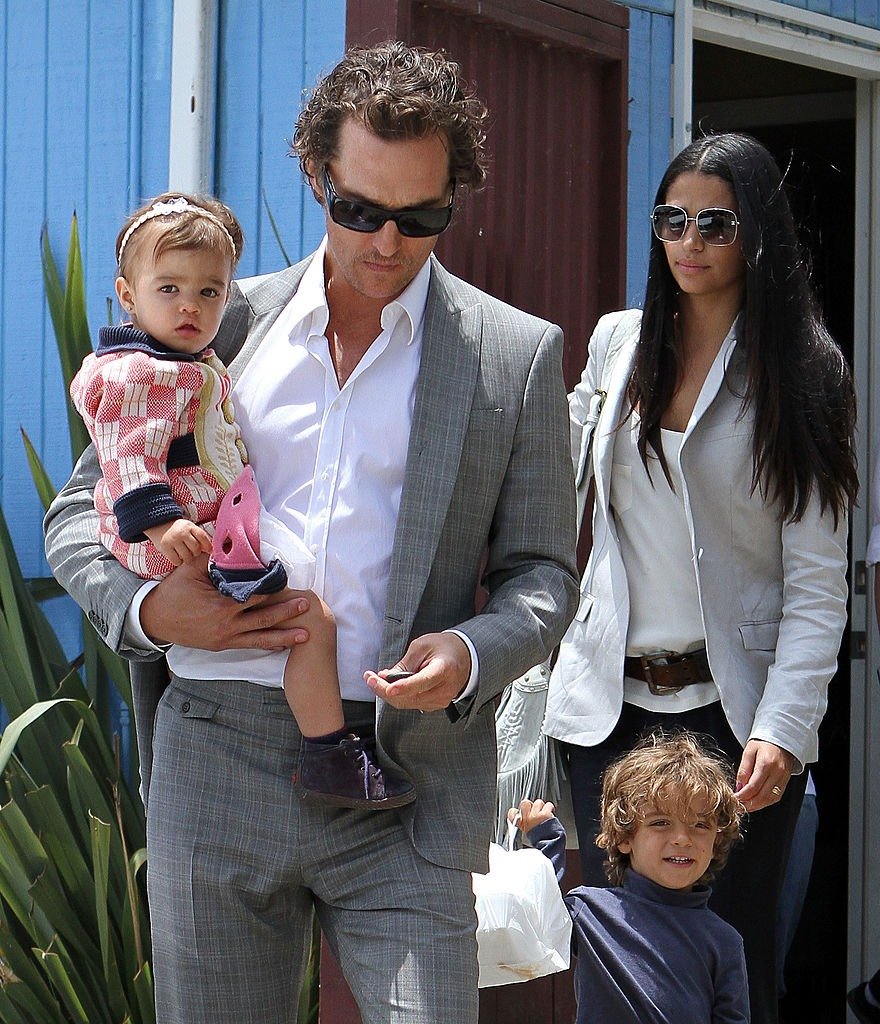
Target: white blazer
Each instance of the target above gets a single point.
(772, 595)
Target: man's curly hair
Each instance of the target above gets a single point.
(675, 773)
(399, 92)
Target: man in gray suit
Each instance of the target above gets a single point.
(415, 432)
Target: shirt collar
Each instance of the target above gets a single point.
(694, 898)
(411, 303)
(309, 305)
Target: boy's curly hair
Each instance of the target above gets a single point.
(671, 772)
(399, 92)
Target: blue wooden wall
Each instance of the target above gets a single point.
(83, 102)
(650, 126)
(270, 52)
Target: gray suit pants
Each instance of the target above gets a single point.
(237, 863)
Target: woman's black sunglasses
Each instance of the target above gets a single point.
(715, 225)
(357, 216)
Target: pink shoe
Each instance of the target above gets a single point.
(235, 567)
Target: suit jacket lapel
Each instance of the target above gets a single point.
(450, 360)
(254, 306)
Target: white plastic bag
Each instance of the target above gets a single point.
(523, 925)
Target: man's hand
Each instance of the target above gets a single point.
(531, 813)
(763, 774)
(186, 608)
(179, 540)
(441, 667)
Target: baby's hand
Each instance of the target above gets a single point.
(180, 540)
(531, 813)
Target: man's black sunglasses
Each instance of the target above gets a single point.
(357, 216)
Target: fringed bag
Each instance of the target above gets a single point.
(530, 764)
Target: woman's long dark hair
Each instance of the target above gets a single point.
(798, 383)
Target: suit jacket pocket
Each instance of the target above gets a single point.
(760, 636)
(483, 419)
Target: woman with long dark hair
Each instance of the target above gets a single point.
(715, 595)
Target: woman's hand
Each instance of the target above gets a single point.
(763, 774)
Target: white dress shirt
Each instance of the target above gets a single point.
(664, 606)
(330, 463)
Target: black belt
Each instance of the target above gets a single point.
(666, 672)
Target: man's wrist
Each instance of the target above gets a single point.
(134, 635)
(470, 687)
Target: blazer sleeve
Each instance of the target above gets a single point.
(98, 583)
(531, 568)
(814, 595)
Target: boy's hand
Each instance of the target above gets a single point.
(180, 540)
(531, 814)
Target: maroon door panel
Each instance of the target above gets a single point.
(547, 234)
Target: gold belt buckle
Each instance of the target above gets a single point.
(661, 658)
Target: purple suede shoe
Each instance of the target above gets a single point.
(345, 774)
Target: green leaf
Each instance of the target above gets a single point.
(274, 226)
(14, 730)
(143, 990)
(101, 864)
(44, 811)
(51, 282)
(45, 490)
(57, 972)
(74, 930)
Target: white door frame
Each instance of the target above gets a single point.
(192, 113)
(788, 33)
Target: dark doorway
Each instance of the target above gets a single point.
(806, 118)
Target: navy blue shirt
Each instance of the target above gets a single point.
(646, 954)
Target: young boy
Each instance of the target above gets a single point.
(649, 950)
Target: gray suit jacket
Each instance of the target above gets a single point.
(488, 471)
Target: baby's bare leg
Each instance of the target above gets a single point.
(311, 683)
(337, 767)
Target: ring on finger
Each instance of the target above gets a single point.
(776, 791)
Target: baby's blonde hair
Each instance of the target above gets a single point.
(672, 772)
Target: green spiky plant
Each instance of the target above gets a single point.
(74, 934)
